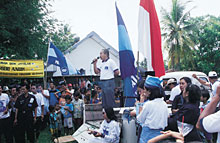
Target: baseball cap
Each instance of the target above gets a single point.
(172, 80)
(212, 74)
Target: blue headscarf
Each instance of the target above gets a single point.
(152, 82)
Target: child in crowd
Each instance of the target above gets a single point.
(94, 97)
(67, 115)
(78, 105)
(99, 90)
(53, 122)
(62, 100)
(204, 99)
(59, 118)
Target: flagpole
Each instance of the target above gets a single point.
(45, 80)
(138, 65)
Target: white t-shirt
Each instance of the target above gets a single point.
(107, 69)
(111, 131)
(211, 124)
(214, 87)
(4, 100)
(174, 92)
(40, 101)
(46, 101)
(154, 114)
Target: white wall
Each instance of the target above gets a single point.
(82, 56)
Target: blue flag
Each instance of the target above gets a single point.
(126, 56)
(56, 57)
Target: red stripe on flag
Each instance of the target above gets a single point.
(157, 57)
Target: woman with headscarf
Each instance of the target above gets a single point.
(154, 115)
(109, 130)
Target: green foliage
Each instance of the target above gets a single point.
(25, 28)
(63, 38)
(178, 36)
(207, 42)
(143, 64)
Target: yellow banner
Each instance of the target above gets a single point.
(22, 68)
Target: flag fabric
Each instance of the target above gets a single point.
(126, 58)
(56, 57)
(149, 37)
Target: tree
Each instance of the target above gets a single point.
(207, 33)
(63, 38)
(25, 28)
(178, 35)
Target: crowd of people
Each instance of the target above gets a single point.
(194, 113)
(27, 109)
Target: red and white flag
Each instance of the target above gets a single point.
(149, 37)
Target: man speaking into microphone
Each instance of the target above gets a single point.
(107, 69)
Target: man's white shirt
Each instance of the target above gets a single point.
(107, 69)
(40, 101)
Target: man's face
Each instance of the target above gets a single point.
(13, 91)
(51, 85)
(63, 87)
(171, 86)
(103, 56)
(24, 90)
(34, 89)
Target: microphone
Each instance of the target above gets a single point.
(94, 61)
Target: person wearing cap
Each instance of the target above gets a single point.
(155, 114)
(213, 78)
(175, 89)
(70, 87)
(107, 69)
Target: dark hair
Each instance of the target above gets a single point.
(106, 52)
(205, 93)
(68, 97)
(76, 93)
(93, 93)
(141, 84)
(110, 113)
(155, 92)
(26, 85)
(187, 80)
(194, 93)
(51, 108)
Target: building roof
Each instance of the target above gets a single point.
(93, 35)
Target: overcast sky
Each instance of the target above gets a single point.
(85, 16)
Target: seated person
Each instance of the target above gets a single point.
(109, 130)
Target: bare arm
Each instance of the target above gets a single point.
(179, 137)
(48, 97)
(16, 116)
(116, 72)
(211, 107)
(201, 81)
(96, 70)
